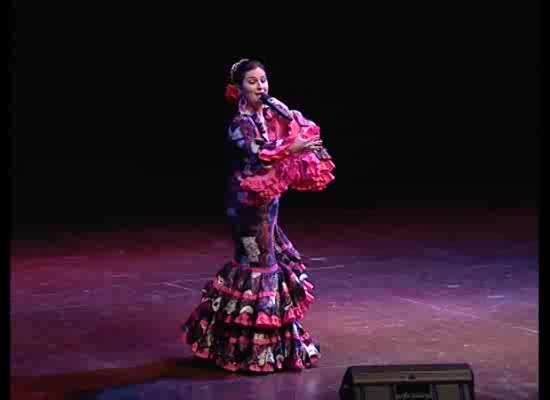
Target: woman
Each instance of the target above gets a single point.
(248, 318)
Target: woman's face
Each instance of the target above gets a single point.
(253, 86)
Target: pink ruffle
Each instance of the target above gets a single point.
(243, 319)
(201, 353)
(291, 315)
(291, 362)
(296, 364)
(266, 321)
(302, 171)
(245, 341)
(257, 368)
(229, 366)
(237, 295)
(315, 174)
(308, 285)
(263, 321)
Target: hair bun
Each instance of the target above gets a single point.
(235, 67)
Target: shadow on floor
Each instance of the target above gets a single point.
(86, 385)
(81, 385)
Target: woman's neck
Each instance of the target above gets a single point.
(254, 108)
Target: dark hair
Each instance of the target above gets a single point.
(240, 68)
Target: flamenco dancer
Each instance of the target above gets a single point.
(249, 316)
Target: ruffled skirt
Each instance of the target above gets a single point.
(248, 319)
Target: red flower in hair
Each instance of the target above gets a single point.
(232, 93)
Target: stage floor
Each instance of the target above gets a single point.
(96, 315)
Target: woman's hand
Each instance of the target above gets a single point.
(302, 144)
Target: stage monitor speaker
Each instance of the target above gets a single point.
(408, 382)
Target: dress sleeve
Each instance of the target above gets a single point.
(304, 171)
(242, 133)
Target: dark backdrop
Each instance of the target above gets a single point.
(122, 115)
